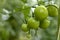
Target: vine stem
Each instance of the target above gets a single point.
(58, 25)
(58, 33)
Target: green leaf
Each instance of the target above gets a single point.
(26, 11)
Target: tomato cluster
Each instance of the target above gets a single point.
(40, 19)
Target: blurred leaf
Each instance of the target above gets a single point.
(41, 2)
(12, 4)
(32, 2)
(24, 1)
(2, 2)
(26, 11)
(5, 34)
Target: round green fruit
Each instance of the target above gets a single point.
(45, 24)
(52, 10)
(32, 23)
(29, 36)
(24, 27)
(41, 12)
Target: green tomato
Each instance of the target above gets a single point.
(29, 36)
(24, 27)
(45, 24)
(32, 23)
(41, 12)
(52, 10)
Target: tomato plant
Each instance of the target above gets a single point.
(29, 19)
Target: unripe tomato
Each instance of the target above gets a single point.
(45, 24)
(32, 23)
(24, 27)
(41, 12)
(29, 36)
(52, 10)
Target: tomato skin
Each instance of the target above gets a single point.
(45, 24)
(41, 12)
(29, 36)
(24, 27)
(52, 10)
(32, 23)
